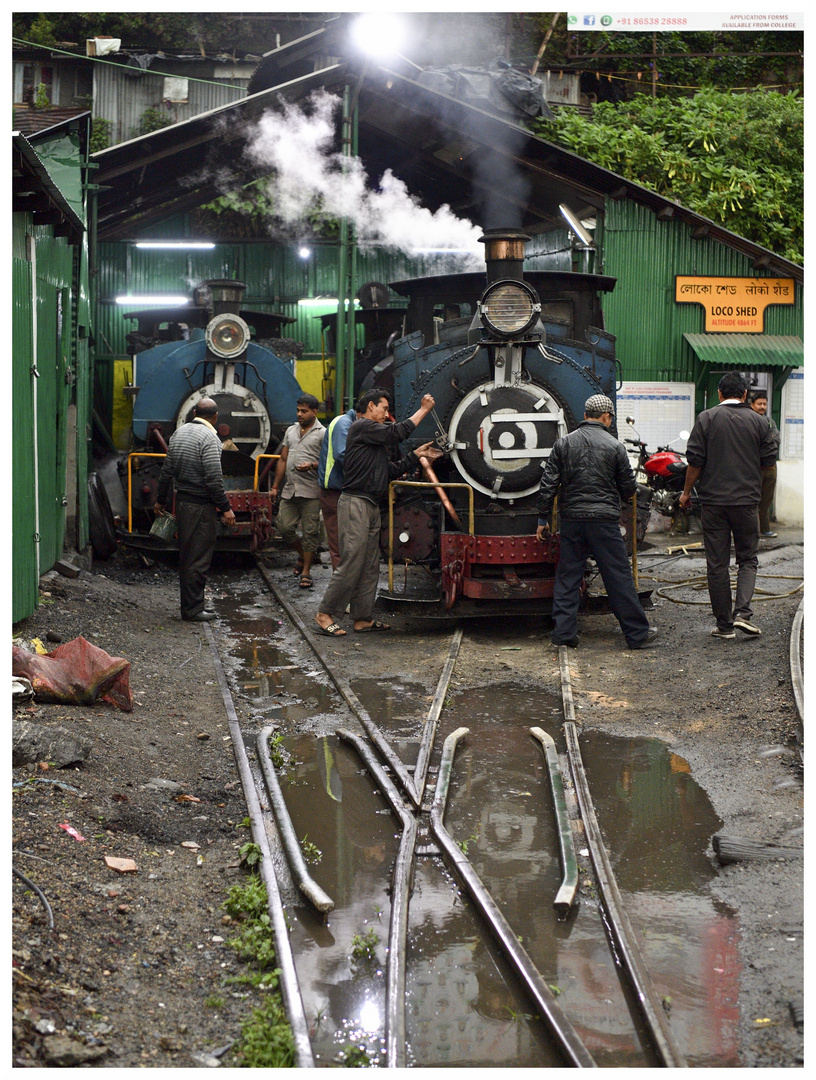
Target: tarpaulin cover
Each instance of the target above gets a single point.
(76, 673)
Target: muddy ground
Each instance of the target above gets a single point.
(134, 973)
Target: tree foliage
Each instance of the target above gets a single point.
(737, 159)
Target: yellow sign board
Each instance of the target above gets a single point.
(734, 305)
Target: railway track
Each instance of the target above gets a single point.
(429, 861)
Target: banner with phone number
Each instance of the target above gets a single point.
(652, 21)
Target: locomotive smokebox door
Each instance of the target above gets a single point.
(502, 436)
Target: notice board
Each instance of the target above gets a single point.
(661, 410)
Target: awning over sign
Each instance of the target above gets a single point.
(748, 351)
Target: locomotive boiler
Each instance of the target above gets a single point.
(207, 349)
(510, 361)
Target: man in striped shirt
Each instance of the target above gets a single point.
(193, 466)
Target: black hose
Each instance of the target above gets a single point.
(40, 894)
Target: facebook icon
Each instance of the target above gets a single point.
(589, 20)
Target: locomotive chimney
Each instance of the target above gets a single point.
(226, 295)
(504, 254)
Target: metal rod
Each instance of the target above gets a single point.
(351, 699)
(443, 498)
(300, 872)
(429, 733)
(565, 896)
(541, 994)
(400, 898)
(290, 989)
(620, 926)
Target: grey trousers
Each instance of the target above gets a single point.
(196, 527)
(719, 524)
(356, 578)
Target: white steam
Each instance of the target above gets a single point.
(296, 145)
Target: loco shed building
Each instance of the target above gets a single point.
(691, 298)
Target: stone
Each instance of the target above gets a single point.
(32, 742)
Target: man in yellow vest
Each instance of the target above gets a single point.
(330, 477)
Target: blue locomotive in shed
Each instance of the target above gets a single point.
(510, 364)
(213, 348)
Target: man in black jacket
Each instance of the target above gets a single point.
(367, 470)
(589, 471)
(728, 448)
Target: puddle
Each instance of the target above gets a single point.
(464, 1007)
(657, 821)
(332, 801)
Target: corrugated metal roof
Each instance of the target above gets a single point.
(431, 141)
(748, 351)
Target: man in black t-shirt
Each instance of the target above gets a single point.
(367, 471)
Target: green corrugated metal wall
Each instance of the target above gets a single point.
(25, 569)
(56, 273)
(645, 254)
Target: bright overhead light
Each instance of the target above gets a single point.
(576, 226)
(379, 33)
(323, 301)
(148, 301)
(187, 245)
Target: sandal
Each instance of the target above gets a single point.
(306, 582)
(376, 625)
(332, 630)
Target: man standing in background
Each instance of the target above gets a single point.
(300, 497)
(727, 450)
(759, 403)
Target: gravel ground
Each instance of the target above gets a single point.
(133, 974)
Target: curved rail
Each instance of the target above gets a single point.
(575, 1051)
(290, 988)
(386, 750)
(400, 895)
(429, 733)
(294, 856)
(569, 864)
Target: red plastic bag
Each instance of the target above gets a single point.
(76, 673)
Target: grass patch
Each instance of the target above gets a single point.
(266, 1037)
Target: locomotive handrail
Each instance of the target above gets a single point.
(272, 457)
(130, 483)
(420, 484)
(141, 454)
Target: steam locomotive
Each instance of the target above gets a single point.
(206, 349)
(510, 367)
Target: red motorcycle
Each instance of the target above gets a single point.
(663, 476)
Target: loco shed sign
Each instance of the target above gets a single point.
(734, 305)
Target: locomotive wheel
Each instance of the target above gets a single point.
(101, 526)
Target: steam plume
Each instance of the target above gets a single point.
(296, 144)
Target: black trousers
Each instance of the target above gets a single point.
(603, 541)
(719, 524)
(196, 527)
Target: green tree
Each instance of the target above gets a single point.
(737, 159)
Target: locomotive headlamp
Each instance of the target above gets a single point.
(509, 308)
(227, 335)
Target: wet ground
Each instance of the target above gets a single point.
(679, 742)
